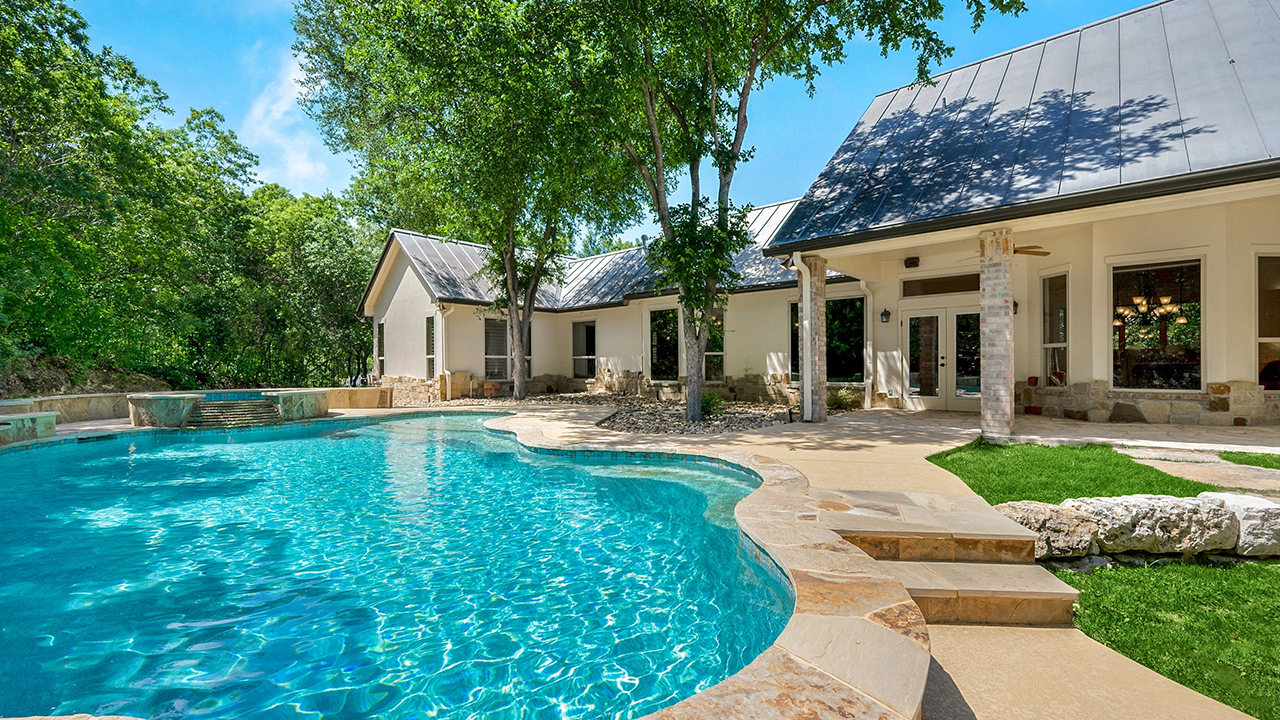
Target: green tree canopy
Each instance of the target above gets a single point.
(475, 120)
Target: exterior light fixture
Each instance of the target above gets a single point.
(884, 316)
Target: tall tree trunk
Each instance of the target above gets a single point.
(695, 347)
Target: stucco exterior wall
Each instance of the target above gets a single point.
(403, 306)
(1225, 234)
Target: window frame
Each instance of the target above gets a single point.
(650, 346)
(795, 352)
(1045, 346)
(593, 360)
(1268, 254)
(430, 346)
(380, 348)
(508, 357)
(1137, 260)
(706, 377)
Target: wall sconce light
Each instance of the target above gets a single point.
(884, 316)
(1015, 307)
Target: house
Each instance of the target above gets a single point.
(609, 325)
(1087, 227)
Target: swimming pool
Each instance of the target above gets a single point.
(406, 569)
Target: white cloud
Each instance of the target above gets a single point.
(286, 141)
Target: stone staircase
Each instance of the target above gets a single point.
(233, 413)
(960, 560)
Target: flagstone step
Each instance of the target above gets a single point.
(924, 526)
(985, 593)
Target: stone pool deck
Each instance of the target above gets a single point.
(875, 540)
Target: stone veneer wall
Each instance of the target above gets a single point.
(1239, 403)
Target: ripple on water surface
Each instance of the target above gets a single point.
(411, 569)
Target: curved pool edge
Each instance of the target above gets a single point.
(856, 645)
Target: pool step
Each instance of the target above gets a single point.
(985, 593)
(925, 527)
(233, 413)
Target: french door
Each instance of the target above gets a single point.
(943, 349)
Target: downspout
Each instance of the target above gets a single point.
(806, 350)
(444, 352)
(869, 376)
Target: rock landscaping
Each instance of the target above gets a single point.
(651, 416)
(1212, 523)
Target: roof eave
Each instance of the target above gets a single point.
(1189, 182)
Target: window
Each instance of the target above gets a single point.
(1269, 323)
(431, 346)
(1156, 327)
(664, 344)
(846, 345)
(584, 349)
(713, 358)
(382, 349)
(497, 358)
(1054, 339)
(941, 285)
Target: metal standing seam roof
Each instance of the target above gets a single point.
(450, 269)
(1172, 96)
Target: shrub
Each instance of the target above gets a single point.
(841, 399)
(712, 406)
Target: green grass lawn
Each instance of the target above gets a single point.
(1271, 461)
(1003, 473)
(1215, 630)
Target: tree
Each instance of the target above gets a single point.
(126, 245)
(473, 120)
(685, 74)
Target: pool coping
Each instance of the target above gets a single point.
(856, 645)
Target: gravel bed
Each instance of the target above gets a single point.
(654, 417)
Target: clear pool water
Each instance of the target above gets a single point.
(419, 568)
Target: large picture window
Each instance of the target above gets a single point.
(1269, 323)
(584, 349)
(664, 344)
(713, 358)
(498, 364)
(1156, 327)
(1055, 331)
(846, 334)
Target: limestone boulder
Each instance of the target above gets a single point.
(1259, 521)
(1159, 524)
(1064, 532)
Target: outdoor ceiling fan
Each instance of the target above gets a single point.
(1035, 250)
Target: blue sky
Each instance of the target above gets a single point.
(234, 56)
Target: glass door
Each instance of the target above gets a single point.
(944, 359)
(965, 376)
(926, 358)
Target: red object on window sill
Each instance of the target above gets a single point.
(1033, 381)
(1058, 379)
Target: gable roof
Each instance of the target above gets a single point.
(1170, 97)
(449, 269)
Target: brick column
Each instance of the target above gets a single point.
(996, 248)
(818, 326)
